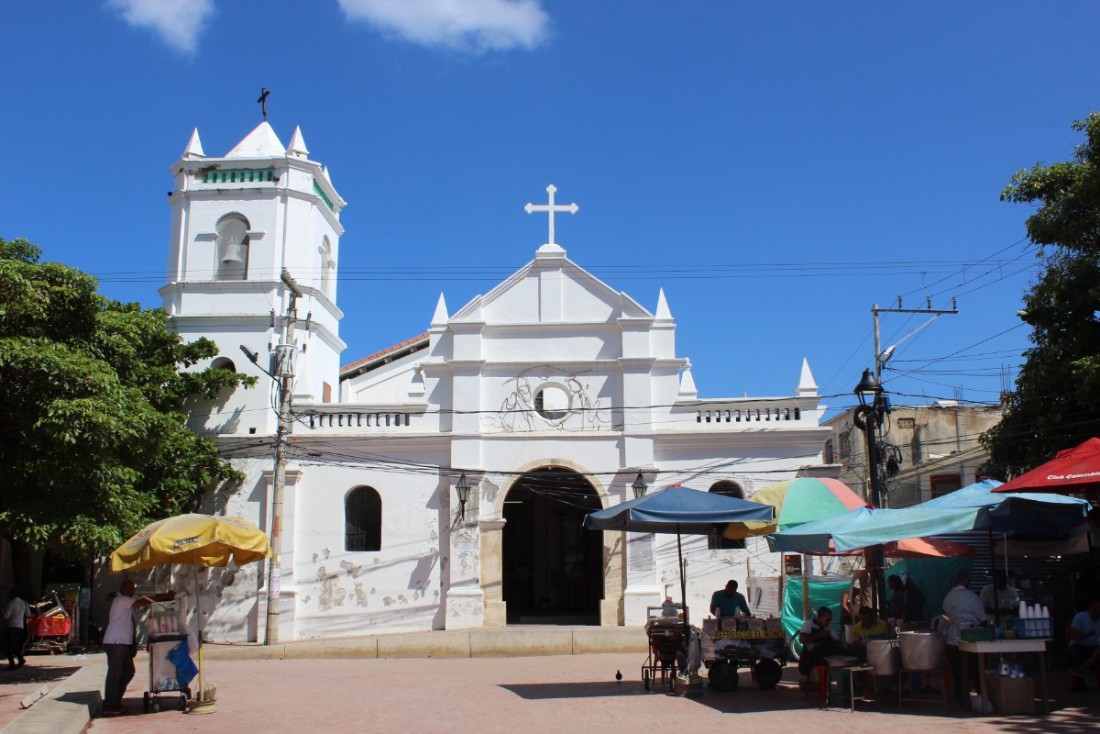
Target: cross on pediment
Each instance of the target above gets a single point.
(550, 209)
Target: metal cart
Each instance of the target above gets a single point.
(164, 636)
(668, 636)
(762, 651)
(49, 626)
(162, 673)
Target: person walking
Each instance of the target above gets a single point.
(118, 643)
(15, 623)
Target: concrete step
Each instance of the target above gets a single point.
(512, 641)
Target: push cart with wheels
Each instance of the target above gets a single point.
(162, 672)
(762, 651)
(165, 632)
(49, 626)
(668, 636)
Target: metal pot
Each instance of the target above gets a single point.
(921, 650)
(883, 656)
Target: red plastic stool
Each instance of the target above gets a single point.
(822, 682)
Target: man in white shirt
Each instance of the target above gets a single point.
(961, 608)
(15, 625)
(818, 641)
(118, 643)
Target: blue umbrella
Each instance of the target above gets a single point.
(1024, 513)
(678, 510)
(975, 507)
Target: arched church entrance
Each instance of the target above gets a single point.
(552, 567)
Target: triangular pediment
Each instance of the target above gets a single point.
(551, 290)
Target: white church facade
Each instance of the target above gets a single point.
(545, 398)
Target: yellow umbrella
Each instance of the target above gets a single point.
(194, 540)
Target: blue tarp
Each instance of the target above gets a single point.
(975, 507)
(678, 510)
(1027, 513)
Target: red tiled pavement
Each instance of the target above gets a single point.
(576, 694)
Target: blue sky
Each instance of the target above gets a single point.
(776, 167)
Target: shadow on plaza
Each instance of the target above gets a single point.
(37, 674)
(1070, 713)
(577, 689)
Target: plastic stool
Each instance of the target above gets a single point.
(822, 684)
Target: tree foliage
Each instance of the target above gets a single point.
(1056, 403)
(94, 443)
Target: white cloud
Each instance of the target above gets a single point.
(177, 22)
(474, 25)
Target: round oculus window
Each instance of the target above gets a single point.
(552, 402)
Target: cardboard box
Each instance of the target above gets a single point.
(1012, 695)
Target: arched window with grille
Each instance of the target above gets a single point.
(716, 539)
(363, 520)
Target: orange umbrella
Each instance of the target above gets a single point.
(915, 548)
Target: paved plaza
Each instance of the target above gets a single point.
(577, 694)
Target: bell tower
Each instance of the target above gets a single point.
(247, 229)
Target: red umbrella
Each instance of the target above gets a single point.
(1071, 471)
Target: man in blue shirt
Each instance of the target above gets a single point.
(726, 602)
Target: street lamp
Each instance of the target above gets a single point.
(462, 489)
(873, 406)
(868, 416)
(639, 486)
(868, 389)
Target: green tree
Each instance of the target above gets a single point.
(94, 442)
(1056, 403)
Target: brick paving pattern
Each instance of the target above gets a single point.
(575, 694)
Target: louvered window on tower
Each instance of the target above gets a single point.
(232, 248)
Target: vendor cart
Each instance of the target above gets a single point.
(49, 626)
(756, 644)
(164, 635)
(668, 636)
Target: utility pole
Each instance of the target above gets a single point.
(882, 357)
(284, 375)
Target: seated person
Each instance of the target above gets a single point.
(727, 602)
(1007, 600)
(1083, 650)
(817, 641)
(869, 626)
